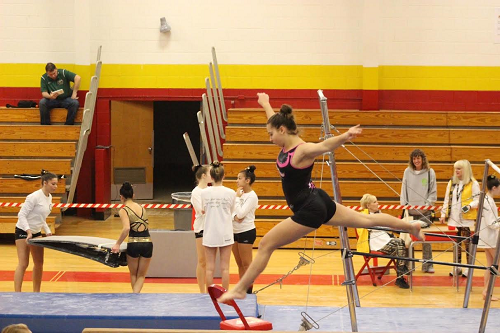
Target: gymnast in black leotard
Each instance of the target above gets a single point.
(311, 207)
(139, 241)
(139, 245)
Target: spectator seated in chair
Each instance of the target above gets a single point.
(382, 241)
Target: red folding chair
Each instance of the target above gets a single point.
(237, 324)
(375, 270)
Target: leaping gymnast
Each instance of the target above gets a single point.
(311, 206)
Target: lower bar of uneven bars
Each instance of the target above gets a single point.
(418, 260)
(458, 238)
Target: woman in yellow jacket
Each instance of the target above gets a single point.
(460, 205)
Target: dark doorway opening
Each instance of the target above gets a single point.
(172, 163)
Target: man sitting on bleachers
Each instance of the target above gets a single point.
(57, 93)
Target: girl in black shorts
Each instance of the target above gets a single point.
(32, 218)
(203, 178)
(139, 246)
(244, 220)
(311, 206)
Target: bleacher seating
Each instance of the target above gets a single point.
(26, 147)
(387, 140)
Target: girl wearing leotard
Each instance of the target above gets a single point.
(311, 206)
(139, 246)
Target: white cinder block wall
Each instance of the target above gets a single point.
(34, 31)
(313, 32)
(439, 32)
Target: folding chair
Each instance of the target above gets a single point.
(374, 270)
(243, 323)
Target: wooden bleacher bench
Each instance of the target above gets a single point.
(346, 170)
(21, 186)
(388, 138)
(8, 224)
(37, 149)
(32, 115)
(374, 118)
(40, 132)
(348, 188)
(26, 147)
(31, 166)
(380, 153)
(441, 136)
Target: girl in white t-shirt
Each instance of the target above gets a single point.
(244, 220)
(202, 174)
(32, 218)
(218, 204)
(490, 225)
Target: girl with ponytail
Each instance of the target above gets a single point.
(139, 245)
(311, 206)
(202, 175)
(217, 202)
(244, 220)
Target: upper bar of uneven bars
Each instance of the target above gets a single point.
(493, 165)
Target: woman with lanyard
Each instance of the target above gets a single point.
(460, 206)
(31, 219)
(311, 206)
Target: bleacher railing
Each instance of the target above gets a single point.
(212, 116)
(86, 126)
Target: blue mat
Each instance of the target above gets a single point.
(288, 318)
(68, 313)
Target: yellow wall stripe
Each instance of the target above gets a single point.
(439, 78)
(193, 76)
(269, 76)
(370, 78)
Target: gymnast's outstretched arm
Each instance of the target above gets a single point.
(264, 102)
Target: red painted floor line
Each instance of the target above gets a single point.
(298, 279)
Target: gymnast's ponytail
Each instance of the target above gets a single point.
(47, 176)
(127, 191)
(284, 118)
(249, 173)
(492, 181)
(199, 170)
(217, 171)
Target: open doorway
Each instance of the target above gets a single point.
(172, 163)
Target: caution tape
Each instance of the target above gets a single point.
(102, 206)
(185, 206)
